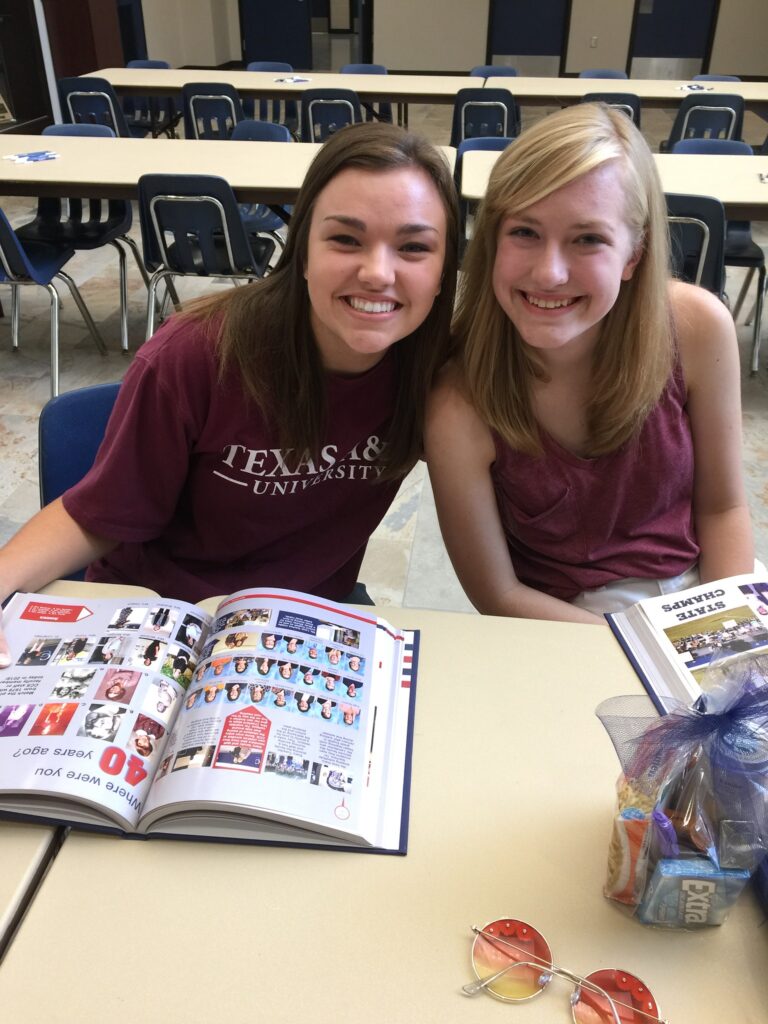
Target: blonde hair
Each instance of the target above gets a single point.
(634, 354)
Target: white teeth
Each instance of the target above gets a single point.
(363, 306)
(548, 303)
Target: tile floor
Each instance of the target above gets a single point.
(406, 563)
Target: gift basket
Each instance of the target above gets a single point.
(691, 822)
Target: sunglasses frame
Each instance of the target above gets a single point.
(550, 970)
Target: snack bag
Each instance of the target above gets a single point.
(691, 821)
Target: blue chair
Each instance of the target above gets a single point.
(91, 100)
(191, 226)
(494, 143)
(697, 240)
(70, 429)
(602, 73)
(258, 218)
(740, 248)
(707, 116)
(483, 113)
(716, 78)
(40, 263)
(86, 224)
(324, 111)
(279, 111)
(493, 71)
(157, 115)
(211, 110)
(373, 111)
(627, 102)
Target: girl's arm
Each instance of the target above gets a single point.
(460, 451)
(49, 546)
(710, 360)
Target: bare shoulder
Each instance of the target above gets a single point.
(452, 419)
(704, 327)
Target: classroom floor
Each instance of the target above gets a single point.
(406, 563)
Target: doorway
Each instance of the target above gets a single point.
(672, 38)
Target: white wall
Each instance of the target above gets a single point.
(599, 34)
(192, 31)
(741, 39)
(430, 35)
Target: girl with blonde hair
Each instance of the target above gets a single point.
(584, 444)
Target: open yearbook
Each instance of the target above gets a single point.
(673, 639)
(282, 718)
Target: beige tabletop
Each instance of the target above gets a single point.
(24, 853)
(735, 180)
(110, 168)
(398, 88)
(512, 797)
(652, 92)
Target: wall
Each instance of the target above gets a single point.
(430, 35)
(606, 22)
(187, 32)
(741, 39)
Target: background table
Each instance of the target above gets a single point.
(734, 180)
(513, 789)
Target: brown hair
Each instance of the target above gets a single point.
(634, 354)
(263, 331)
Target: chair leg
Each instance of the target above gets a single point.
(15, 316)
(743, 292)
(54, 299)
(157, 277)
(139, 261)
(758, 319)
(75, 292)
(123, 280)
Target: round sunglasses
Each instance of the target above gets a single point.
(512, 961)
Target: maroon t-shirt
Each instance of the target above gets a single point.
(192, 482)
(574, 524)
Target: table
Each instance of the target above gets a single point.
(25, 851)
(513, 787)
(734, 180)
(268, 84)
(110, 168)
(652, 92)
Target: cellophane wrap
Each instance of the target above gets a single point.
(691, 822)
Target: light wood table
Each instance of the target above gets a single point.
(269, 84)
(511, 805)
(25, 851)
(735, 180)
(652, 92)
(269, 172)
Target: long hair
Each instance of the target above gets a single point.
(263, 331)
(634, 353)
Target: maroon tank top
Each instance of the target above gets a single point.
(573, 524)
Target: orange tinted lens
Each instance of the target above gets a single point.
(627, 993)
(517, 953)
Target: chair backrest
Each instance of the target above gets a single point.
(627, 102)
(716, 78)
(190, 224)
(713, 147)
(713, 116)
(364, 69)
(92, 101)
(260, 131)
(697, 240)
(482, 113)
(96, 131)
(602, 73)
(70, 430)
(324, 111)
(211, 110)
(493, 71)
